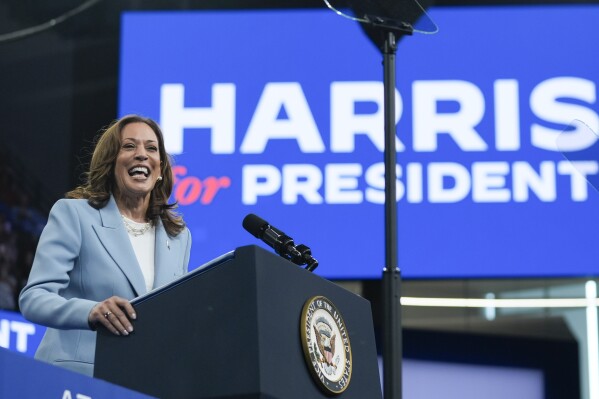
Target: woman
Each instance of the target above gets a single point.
(114, 238)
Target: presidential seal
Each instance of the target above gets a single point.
(326, 345)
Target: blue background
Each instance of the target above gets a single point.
(317, 47)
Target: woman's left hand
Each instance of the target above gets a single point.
(113, 313)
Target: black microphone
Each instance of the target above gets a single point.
(279, 241)
(307, 256)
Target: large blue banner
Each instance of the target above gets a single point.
(19, 335)
(280, 113)
(22, 377)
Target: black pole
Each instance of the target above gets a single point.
(392, 339)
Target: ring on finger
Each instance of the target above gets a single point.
(107, 314)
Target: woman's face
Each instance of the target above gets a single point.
(137, 164)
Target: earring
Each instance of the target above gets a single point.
(159, 178)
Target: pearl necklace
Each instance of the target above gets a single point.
(134, 230)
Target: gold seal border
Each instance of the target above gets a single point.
(306, 349)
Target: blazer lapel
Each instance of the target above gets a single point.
(115, 239)
(166, 257)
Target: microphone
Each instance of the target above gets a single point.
(279, 241)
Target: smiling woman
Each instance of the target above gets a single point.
(114, 238)
(137, 170)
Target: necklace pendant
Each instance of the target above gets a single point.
(134, 230)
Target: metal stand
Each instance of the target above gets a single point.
(382, 18)
(392, 337)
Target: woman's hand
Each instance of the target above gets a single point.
(113, 313)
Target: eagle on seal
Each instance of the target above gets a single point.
(326, 345)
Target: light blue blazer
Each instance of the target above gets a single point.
(84, 256)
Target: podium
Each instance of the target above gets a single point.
(233, 329)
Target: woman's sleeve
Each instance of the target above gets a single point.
(56, 255)
(187, 251)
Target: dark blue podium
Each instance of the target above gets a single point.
(232, 330)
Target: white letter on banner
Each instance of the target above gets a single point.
(507, 115)
(438, 172)
(460, 125)
(578, 171)
(4, 334)
(544, 102)
(341, 183)
(22, 330)
(299, 124)
(524, 177)
(414, 182)
(375, 178)
(174, 118)
(304, 180)
(67, 395)
(346, 124)
(259, 180)
(488, 182)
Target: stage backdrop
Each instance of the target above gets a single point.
(280, 113)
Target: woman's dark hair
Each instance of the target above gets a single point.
(100, 180)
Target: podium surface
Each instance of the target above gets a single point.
(233, 331)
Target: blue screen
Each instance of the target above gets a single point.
(280, 114)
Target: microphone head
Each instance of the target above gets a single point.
(255, 225)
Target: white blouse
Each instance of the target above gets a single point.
(143, 246)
